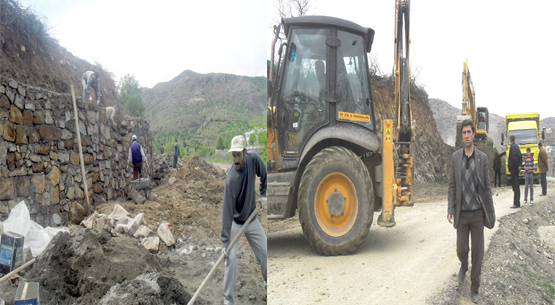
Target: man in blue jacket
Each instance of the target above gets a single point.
(136, 157)
(239, 203)
(515, 162)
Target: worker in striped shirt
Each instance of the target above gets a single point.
(529, 169)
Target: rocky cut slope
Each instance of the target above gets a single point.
(431, 154)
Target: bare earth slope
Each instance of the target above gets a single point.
(30, 56)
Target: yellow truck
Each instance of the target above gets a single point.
(526, 129)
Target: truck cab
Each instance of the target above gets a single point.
(525, 128)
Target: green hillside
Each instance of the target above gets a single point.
(197, 108)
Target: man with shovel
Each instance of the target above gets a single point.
(239, 203)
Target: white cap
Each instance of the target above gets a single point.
(134, 137)
(238, 143)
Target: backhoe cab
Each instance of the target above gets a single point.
(324, 154)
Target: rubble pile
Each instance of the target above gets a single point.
(86, 266)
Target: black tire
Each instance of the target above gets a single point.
(321, 176)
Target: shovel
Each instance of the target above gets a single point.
(235, 238)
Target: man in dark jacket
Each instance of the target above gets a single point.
(175, 153)
(136, 157)
(515, 162)
(470, 204)
(497, 167)
(239, 204)
(543, 167)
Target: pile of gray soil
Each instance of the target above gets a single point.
(518, 266)
(90, 267)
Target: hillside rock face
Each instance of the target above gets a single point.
(432, 156)
(191, 99)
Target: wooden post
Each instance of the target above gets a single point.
(80, 150)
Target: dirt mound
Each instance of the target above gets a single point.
(191, 204)
(86, 266)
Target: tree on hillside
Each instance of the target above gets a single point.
(130, 95)
(220, 142)
(259, 137)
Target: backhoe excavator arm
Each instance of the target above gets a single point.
(397, 150)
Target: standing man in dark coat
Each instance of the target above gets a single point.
(497, 167)
(175, 153)
(470, 204)
(543, 167)
(515, 162)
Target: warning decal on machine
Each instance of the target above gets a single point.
(353, 116)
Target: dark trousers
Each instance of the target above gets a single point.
(471, 222)
(175, 161)
(137, 170)
(516, 187)
(543, 180)
(497, 175)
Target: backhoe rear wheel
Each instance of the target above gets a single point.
(336, 201)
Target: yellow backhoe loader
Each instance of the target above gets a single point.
(325, 155)
(478, 115)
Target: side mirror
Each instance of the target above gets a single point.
(270, 88)
(502, 140)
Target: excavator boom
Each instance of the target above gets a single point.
(397, 155)
(478, 115)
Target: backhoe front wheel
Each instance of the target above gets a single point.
(336, 201)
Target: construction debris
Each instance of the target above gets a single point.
(165, 234)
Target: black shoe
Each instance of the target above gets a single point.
(461, 276)
(475, 297)
(515, 207)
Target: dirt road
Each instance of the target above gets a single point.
(409, 263)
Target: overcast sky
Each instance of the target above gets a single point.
(506, 44)
(157, 40)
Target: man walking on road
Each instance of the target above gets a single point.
(543, 167)
(239, 203)
(497, 167)
(515, 162)
(136, 157)
(470, 205)
(175, 153)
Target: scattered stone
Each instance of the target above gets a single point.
(136, 196)
(151, 244)
(76, 213)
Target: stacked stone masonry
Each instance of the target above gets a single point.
(39, 154)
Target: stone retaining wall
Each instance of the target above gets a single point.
(39, 154)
